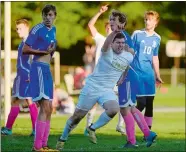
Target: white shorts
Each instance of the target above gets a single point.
(89, 97)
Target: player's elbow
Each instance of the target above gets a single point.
(25, 49)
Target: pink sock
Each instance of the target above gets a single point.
(33, 114)
(14, 111)
(148, 120)
(46, 134)
(139, 118)
(40, 129)
(130, 128)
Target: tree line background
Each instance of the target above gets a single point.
(73, 17)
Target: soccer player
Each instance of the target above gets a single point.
(99, 40)
(41, 42)
(99, 86)
(21, 83)
(140, 75)
(146, 43)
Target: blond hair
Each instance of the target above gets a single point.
(152, 13)
(22, 21)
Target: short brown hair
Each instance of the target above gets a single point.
(47, 8)
(152, 13)
(22, 21)
(119, 36)
(122, 17)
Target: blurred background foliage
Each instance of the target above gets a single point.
(73, 17)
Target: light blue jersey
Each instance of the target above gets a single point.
(109, 69)
(40, 37)
(146, 47)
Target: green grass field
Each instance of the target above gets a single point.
(170, 128)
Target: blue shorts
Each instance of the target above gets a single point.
(128, 90)
(147, 86)
(89, 97)
(41, 82)
(20, 86)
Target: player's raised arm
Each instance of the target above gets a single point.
(93, 20)
(109, 40)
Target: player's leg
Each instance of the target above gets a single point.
(90, 117)
(127, 98)
(14, 111)
(85, 103)
(149, 111)
(119, 127)
(150, 91)
(109, 102)
(33, 114)
(47, 104)
(139, 118)
(130, 127)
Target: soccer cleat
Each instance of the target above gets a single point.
(121, 130)
(130, 145)
(150, 139)
(92, 135)
(39, 150)
(47, 149)
(60, 144)
(6, 131)
(32, 133)
(86, 133)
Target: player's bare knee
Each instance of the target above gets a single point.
(78, 115)
(124, 111)
(111, 108)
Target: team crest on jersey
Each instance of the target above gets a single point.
(154, 44)
(119, 64)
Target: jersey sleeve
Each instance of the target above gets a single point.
(134, 38)
(99, 39)
(32, 37)
(156, 50)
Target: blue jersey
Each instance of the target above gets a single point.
(41, 37)
(23, 61)
(146, 47)
(128, 39)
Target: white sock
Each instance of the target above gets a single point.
(90, 116)
(120, 120)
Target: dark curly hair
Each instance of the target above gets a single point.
(122, 17)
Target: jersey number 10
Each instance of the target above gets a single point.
(147, 50)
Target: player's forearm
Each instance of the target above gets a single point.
(108, 41)
(28, 50)
(94, 19)
(92, 22)
(156, 66)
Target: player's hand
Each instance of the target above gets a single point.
(128, 49)
(28, 80)
(159, 82)
(51, 48)
(103, 8)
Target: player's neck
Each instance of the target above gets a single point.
(25, 37)
(150, 31)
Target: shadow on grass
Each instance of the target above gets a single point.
(78, 142)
